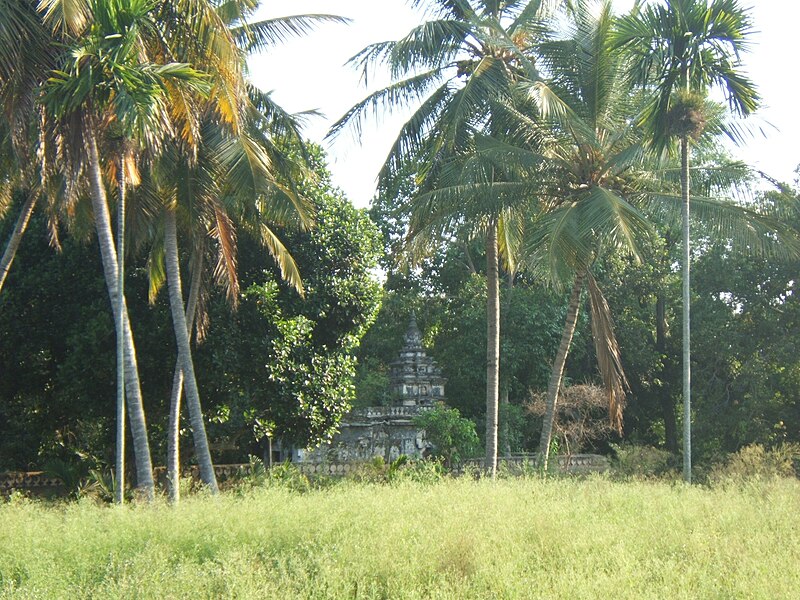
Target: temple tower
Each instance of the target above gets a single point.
(415, 379)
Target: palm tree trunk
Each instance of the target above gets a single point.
(557, 372)
(185, 353)
(119, 490)
(492, 349)
(105, 238)
(173, 433)
(687, 374)
(504, 429)
(16, 237)
(665, 397)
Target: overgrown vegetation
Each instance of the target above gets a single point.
(520, 538)
(530, 171)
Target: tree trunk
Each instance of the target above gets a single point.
(687, 375)
(504, 429)
(105, 238)
(664, 392)
(557, 372)
(16, 237)
(492, 349)
(173, 433)
(185, 353)
(119, 490)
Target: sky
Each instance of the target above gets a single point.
(310, 74)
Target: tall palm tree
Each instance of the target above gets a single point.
(12, 183)
(233, 181)
(242, 173)
(453, 68)
(589, 165)
(108, 86)
(680, 50)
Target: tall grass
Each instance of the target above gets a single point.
(454, 539)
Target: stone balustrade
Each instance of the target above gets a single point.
(36, 482)
(571, 463)
(39, 483)
(377, 412)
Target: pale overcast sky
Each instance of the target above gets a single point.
(310, 74)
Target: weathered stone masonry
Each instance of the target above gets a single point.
(417, 385)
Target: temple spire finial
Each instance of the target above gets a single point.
(413, 334)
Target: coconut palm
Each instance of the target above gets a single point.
(234, 174)
(582, 178)
(233, 181)
(108, 87)
(12, 183)
(679, 51)
(454, 68)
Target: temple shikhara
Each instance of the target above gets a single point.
(414, 377)
(416, 384)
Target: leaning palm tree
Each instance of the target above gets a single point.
(235, 172)
(233, 181)
(453, 68)
(680, 50)
(14, 183)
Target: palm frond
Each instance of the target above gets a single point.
(225, 272)
(69, 16)
(609, 360)
(398, 94)
(156, 268)
(263, 35)
(747, 229)
(290, 273)
(431, 45)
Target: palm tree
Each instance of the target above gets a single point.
(591, 159)
(106, 80)
(235, 179)
(10, 186)
(679, 50)
(234, 173)
(454, 68)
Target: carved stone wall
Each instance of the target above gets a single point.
(385, 431)
(37, 483)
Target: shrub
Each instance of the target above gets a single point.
(755, 462)
(284, 475)
(453, 436)
(402, 469)
(581, 417)
(643, 462)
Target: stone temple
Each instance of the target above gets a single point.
(414, 377)
(417, 385)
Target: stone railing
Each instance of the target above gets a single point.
(584, 463)
(35, 482)
(376, 412)
(40, 484)
(327, 469)
(572, 463)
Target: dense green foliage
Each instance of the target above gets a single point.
(746, 384)
(283, 363)
(280, 361)
(453, 437)
(531, 145)
(559, 539)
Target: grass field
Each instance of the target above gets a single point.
(523, 538)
